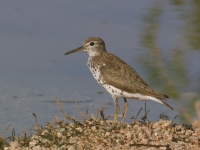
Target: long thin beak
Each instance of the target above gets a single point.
(81, 48)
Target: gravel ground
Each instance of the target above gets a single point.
(94, 134)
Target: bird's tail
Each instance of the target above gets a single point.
(165, 103)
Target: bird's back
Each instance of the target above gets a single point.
(119, 74)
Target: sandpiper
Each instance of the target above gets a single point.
(116, 76)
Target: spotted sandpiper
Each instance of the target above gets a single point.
(116, 76)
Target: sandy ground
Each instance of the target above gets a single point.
(95, 133)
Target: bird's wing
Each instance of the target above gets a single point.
(120, 75)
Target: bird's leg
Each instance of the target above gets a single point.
(124, 112)
(117, 111)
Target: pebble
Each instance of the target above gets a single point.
(92, 135)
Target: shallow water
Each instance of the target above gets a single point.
(159, 39)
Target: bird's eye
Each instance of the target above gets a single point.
(91, 43)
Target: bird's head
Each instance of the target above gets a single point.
(93, 45)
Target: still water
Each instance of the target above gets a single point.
(160, 39)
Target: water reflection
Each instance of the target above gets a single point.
(167, 69)
(192, 25)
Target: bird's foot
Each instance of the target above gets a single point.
(121, 124)
(110, 127)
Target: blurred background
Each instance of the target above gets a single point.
(159, 39)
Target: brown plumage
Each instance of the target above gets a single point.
(116, 76)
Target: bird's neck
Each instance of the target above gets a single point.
(95, 53)
(95, 58)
